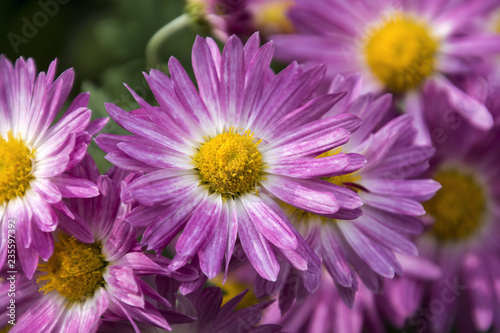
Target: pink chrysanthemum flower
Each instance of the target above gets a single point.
(363, 242)
(213, 157)
(326, 312)
(209, 312)
(97, 269)
(399, 46)
(34, 155)
(222, 17)
(242, 18)
(464, 223)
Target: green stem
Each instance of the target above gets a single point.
(169, 29)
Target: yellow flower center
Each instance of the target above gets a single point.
(271, 17)
(16, 162)
(494, 22)
(74, 270)
(401, 52)
(458, 207)
(6, 328)
(348, 181)
(230, 163)
(232, 288)
(298, 215)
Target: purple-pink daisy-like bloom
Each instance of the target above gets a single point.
(326, 312)
(206, 306)
(214, 157)
(398, 46)
(222, 17)
(363, 242)
(241, 17)
(34, 155)
(463, 220)
(96, 266)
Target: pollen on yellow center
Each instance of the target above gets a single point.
(271, 17)
(230, 163)
(458, 207)
(16, 163)
(401, 52)
(75, 270)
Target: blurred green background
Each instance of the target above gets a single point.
(104, 41)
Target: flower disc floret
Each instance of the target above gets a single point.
(458, 207)
(16, 164)
(272, 16)
(230, 163)
(75, 270)
(401, 52)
